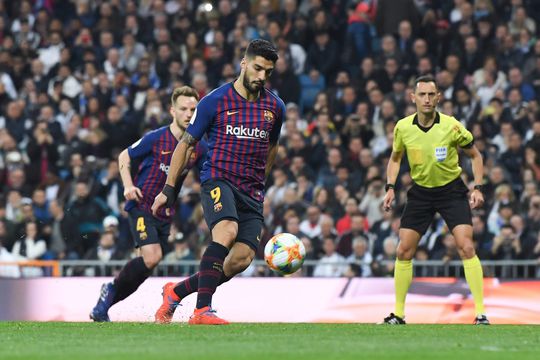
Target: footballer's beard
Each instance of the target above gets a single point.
(180, 125)
(252, 87)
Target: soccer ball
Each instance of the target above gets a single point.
(284, 253)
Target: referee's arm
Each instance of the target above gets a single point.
(476, 162)
(392, 171)
(477, 199)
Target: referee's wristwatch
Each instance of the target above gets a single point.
(388, 187)
(479, 188)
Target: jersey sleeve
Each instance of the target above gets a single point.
(397, 145)
(143, 146)
(276, 129)
(461, 135)
(202, 117)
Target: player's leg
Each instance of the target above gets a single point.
(219, 208)
(239, 258)
(472, 268)
(415, 220)
(403, 269)
(137, 270)
(456, 211)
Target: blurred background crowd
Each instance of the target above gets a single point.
(80, 80)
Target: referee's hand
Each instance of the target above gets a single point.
(388, 200)
(476, 200)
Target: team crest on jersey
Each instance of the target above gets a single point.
(268, 116)
(218, 207)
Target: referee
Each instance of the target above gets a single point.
(431, 140)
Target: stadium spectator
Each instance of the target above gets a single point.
(331, 264)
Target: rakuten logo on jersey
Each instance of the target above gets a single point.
(164, 168)
(242, 132)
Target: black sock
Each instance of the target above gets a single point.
(191, 285)
(132, 275)
(210, 273)
(188, 286)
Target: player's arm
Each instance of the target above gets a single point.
(477, 164)
(139, 149)
(465, 140)
(392, 171)
(179, 160)
(274, 138)
(131, 192)
(200, 121)
(272, 153)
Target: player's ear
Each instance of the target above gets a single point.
(412, 96)
(243, 63)
(171, 111)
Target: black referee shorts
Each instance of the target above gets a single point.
(450, 200)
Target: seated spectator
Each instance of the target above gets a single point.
(30, 247)
(361, 256)
(7, 271)
(331, 264)
(180, 252)
(383, 265)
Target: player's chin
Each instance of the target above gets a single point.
(256, 86)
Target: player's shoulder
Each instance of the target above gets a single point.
(156, 133)
(151, 135)
(406, 121)
(280, 104)
(450, 122)
(448, 119)
(272, 95)
(218, 93)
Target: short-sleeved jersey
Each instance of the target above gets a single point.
(239, 134)
(432, 153)
(155, 149)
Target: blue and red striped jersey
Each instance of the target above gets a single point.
(156, 148)
(239, 133)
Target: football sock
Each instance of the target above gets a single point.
(403, 272)
(475, 279)
(210, 273)
(191, 285)
(132, 275)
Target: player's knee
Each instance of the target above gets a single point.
(151, 260)
(404, 253)
(241, 263)
(226, 233)
(467, 251)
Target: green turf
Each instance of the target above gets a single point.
(28, 340)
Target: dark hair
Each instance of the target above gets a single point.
(425, 79)
(264, 48)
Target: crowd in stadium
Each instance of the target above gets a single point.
(81, 80)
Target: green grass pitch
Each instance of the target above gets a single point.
(30, 340)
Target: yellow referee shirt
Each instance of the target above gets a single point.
(432, 152)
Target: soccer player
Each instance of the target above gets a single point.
(431, 140)
(242, 120)
(150, 231)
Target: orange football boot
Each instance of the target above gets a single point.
(206, 316)
(170, 301)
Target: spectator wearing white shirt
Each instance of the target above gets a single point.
(331, 264)
(361, 256)
(311, 226)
